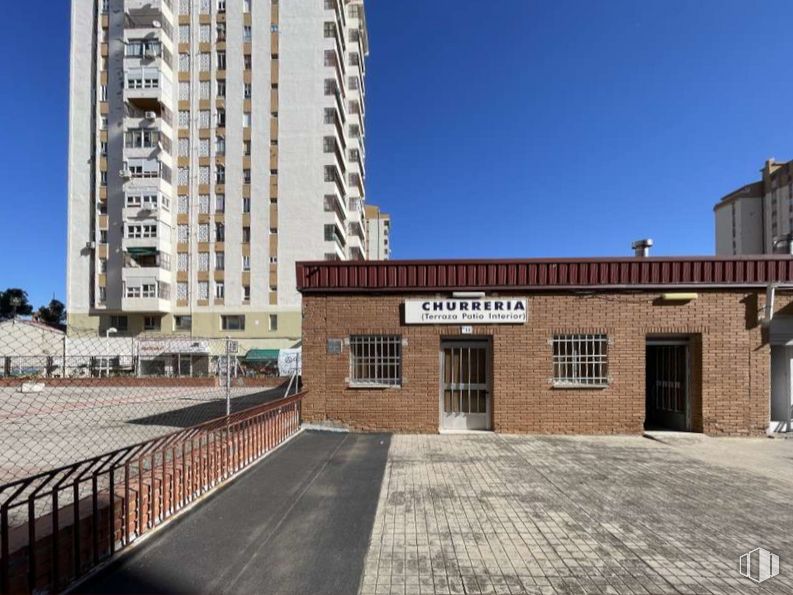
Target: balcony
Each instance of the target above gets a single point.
(148, 88)
(149, 14)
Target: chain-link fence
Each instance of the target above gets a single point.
(67, 397)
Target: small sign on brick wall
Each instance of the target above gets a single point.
(334, 346)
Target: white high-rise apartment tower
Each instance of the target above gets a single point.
(212, 143)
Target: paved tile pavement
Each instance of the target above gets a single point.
(525, 514)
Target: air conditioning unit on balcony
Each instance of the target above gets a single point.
(151, 116)
(125, 173)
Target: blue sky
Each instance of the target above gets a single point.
(520, 129)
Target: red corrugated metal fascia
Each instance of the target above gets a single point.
(538, 274)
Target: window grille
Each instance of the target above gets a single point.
(580, 360)
(376, 360)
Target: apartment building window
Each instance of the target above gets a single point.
(221, 32)
(354, 59)
(246, 235)
(355, 131)
(181, 291)
(203, 232)
(184, 7)
(221, 5)
(220, 232)
(143, 78)
(183, 147)
(203, 147)
(205, 34)
(580, 360)
(102, 295)
(232, 323)
(184, 91)
(182, 176)
(220, 290)
(184, 33)
(220, 145)
(220, 174)
(184, 118)
(328, 144)
(246, 293)
(246, 262)
(220, 87)
(273, 260)
(120, 323)
(330, 173)
(247, 33)
(355, 35)
(141, 231)
(246, 147)
(103, 148)
(203, 290)
(246, 119)
(355, 11)
(246, 204)
(105, 6)
(204, 89)
(103, 123)
(273, 231)
(203, 119)
(182, 233)
(246, 176)
(221, 118)
(220, 261)
(203, 7)
(203, 62)
(182, 204)
(184, 62)
(330, 29)
(246, 6)
(151, 323)
(203, 203)
(146, 201)
(273, 322)
(353, 83)
(103, 265)
(247, 62)
(203, 261)
(182, 261)
(182, 323)
(330, 87)
(102, 92)
(203, 174)
(376, 360)
(246, 90)
(220, 203)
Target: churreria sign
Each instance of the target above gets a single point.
(475, 311)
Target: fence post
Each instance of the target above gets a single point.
(228, 376)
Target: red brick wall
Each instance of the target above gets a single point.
(730, 360)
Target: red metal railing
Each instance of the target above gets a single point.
(57, 525)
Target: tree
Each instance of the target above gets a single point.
(9, 298)
(53, 314)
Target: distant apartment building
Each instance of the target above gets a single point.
(758, 218)
(212, 143)
(378, 233)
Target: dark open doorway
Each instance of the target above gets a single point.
(667, 385)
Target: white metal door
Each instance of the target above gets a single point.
(465, 385)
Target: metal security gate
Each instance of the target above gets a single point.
(465, 385)
(667, 386)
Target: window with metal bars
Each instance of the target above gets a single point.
(376, 360)
(580, 360)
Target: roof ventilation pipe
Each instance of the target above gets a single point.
(641, 248)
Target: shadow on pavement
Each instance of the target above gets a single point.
(184, 417)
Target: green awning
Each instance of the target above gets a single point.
(141, 251)
(261, 355)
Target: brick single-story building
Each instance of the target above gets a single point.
(609, 345)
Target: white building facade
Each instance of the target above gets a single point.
(213, 143)
(378, 233)
(758, 218)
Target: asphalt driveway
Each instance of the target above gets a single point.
(298, 522)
